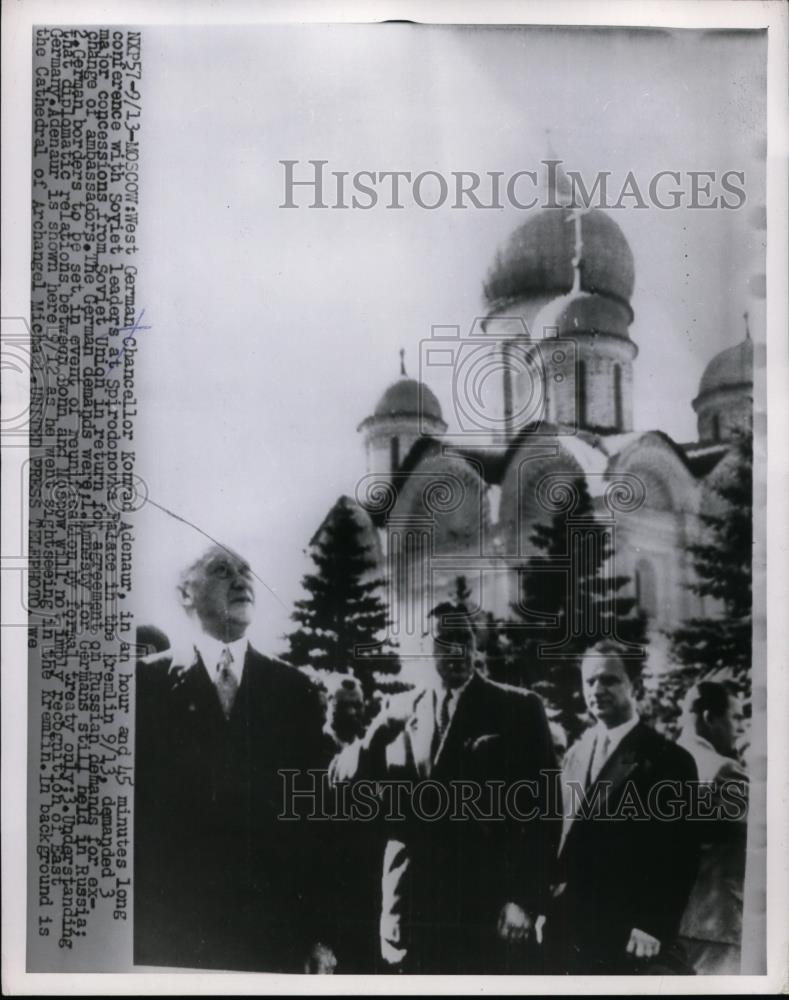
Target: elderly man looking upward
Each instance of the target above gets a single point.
(221, 882)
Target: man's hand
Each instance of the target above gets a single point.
(320, 961)
(514, 923)
(642, 945)
(392, 718)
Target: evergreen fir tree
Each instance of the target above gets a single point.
(461, 593)
(343, 609)
(569, 614)
(722, 561)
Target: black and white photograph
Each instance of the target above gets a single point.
(400, 577)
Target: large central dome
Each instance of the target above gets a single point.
(538, 259)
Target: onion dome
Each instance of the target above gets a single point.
(724, 405)
(581, 312)
(410, 401)
(538, 259)
(408, 398)
(731, 369)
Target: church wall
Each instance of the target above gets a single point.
(434, 534)
(600, 356)
(657, 539)
(379, 443)
(724, 413)
(405, 430)
(530, 490)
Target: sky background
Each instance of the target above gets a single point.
(273, 332)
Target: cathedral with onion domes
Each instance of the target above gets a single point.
(556, 346)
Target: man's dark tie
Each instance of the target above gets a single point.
(442, 722)
(443, 719)
(226, 683)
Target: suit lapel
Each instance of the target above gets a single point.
(246, 683)
(616, 770)
(256, 698)
(621, 763)
(583, 759)
(574, 777)
(458, 725)
(191, 686)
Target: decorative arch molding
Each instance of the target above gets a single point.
(668, 482)
(447, 493)
(534, 478)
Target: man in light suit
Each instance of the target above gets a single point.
(628, 855)
(220, 881)
(461, 893)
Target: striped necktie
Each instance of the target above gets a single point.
(225, 682)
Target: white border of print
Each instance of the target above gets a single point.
(18, 19)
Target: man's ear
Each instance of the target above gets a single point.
(185, 595)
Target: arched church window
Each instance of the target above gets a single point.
(582, 404)
(646, 588)
(394, 454)
(618, 419)
(716, 427)
(507, 391)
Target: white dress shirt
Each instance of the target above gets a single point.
(710, 764)
(210, 650)
(607, 740)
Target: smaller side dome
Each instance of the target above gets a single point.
(724, 405)
(408, 397)
(729, 369)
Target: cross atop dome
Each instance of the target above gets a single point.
(406, 412)
(560, 190)
(576, 214)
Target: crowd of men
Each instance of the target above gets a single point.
(541, 870)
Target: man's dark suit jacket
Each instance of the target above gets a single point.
(221, 882)
(445, 882)
(625, 872)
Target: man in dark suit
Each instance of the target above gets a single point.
(356, 848)
(628, 853)
(711, 928)
(461, 891)
(220, 881)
